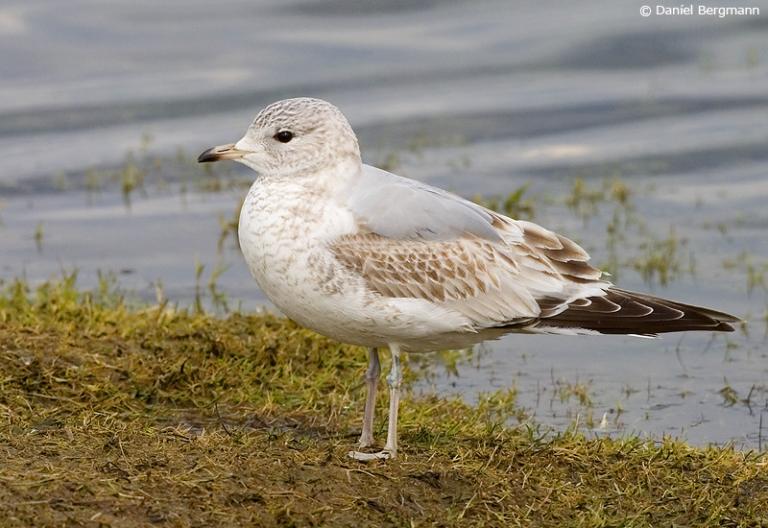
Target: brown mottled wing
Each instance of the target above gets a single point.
(532, 277)
(491, 282)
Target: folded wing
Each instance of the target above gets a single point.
(416, 241)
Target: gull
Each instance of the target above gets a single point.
(370, 258)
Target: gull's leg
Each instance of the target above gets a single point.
(395, 379)
(372, 381)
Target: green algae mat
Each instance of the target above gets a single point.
(117, 415)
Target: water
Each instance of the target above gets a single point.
(476, 97)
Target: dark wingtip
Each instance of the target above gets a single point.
(625, 312)
(724, 327)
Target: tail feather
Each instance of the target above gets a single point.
(626, 312)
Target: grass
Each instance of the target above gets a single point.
(515, 205)
(146, 173)
(120, 415)
(38, 236)
(228, 227)
(755, 271)
(583, 198)
(662, 259)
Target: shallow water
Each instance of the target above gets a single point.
(478, 98)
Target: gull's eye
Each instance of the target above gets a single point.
(284, 136)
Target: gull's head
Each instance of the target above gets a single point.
(292, 137)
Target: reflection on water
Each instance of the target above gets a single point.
(480, 99)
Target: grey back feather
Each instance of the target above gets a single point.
(404, 209)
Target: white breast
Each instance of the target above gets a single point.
(283, 232)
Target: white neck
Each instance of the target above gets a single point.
(330, 180)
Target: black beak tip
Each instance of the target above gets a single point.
(208, 155)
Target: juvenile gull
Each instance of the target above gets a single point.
(373, 259)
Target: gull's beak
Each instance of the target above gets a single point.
(222, 152)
